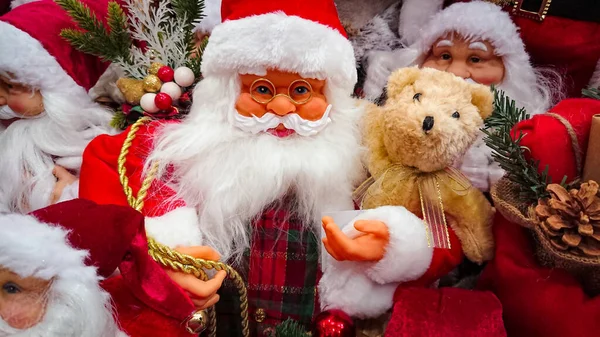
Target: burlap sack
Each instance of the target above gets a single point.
(586, 269)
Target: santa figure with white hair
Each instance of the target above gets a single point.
(51, 265)
(479, 42)
(271, 144)
(47, 115)
(58, 276)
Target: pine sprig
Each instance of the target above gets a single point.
(195, 60)
(191, 10)
(119, 121)
(119, 30)
(94, 38)
(591, 93)
(83, 16)
(509, 153)
(290, 328)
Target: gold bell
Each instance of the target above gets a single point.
(198, 322)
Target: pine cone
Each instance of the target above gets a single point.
(571, 219)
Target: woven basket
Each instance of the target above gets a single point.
(586, 269)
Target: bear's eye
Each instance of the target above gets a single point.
(417, 97)
(456, 115)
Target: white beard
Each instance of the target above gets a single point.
(231, 176)
(30, 148)
(74, 310)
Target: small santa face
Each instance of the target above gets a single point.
(282, 104)
(22, 300)
(470, 59)
(21, 100)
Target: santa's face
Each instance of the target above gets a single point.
(282, 104)
(18, 101)
(469, 59)
(22, 300)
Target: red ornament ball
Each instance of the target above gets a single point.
(333, 323)
(166, 74)
(163, 101)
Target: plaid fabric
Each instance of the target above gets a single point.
(282, 273)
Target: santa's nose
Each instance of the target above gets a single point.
(459, 69)
(281, 106)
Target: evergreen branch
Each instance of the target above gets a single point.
(82, 15)
(119, 121)
(194, 62)
(591, 93)
(290, 328)
(119, 30)
(189, 10)
(94, 38)
(507, 149)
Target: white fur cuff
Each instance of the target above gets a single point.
(408, 255)
(344, 286)
(178, 227)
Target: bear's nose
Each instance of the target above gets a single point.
(428, 123)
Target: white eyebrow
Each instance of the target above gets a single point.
(444, 43)
(478, 45)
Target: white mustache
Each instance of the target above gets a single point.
(8, 113)
(470, 80)
(291, 121)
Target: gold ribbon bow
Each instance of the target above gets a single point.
(430, 195)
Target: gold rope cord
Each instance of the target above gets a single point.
(169, 257)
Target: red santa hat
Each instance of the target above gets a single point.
(304, 37)
(63, 241)
(35, 54)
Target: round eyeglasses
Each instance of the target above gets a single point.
(263, 91)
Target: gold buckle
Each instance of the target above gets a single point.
(197, 322)
(540, 15)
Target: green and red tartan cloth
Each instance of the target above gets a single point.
(281, 272)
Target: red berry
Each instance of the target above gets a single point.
(163, 101)
(166, 74)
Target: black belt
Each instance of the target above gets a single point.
(579, 10)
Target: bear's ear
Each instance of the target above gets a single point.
(402, 78)
(483, 98)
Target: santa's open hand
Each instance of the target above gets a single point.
(202, 293)
(368, 246)
(64, 178)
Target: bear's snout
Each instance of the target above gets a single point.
(428, 124)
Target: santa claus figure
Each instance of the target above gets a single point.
(53, 265)
(271, 143)
(50, 268)
(479, 42)
(563, 35)
(48, 116)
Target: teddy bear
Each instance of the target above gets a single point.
(429, 120)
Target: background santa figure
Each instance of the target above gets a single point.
(58, 276)
(563, 35)
(51, 265)
(479, 42)
(44, 106)
(271, 143)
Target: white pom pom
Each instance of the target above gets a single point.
(184, 76)
(147, 103)
(171, 89)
